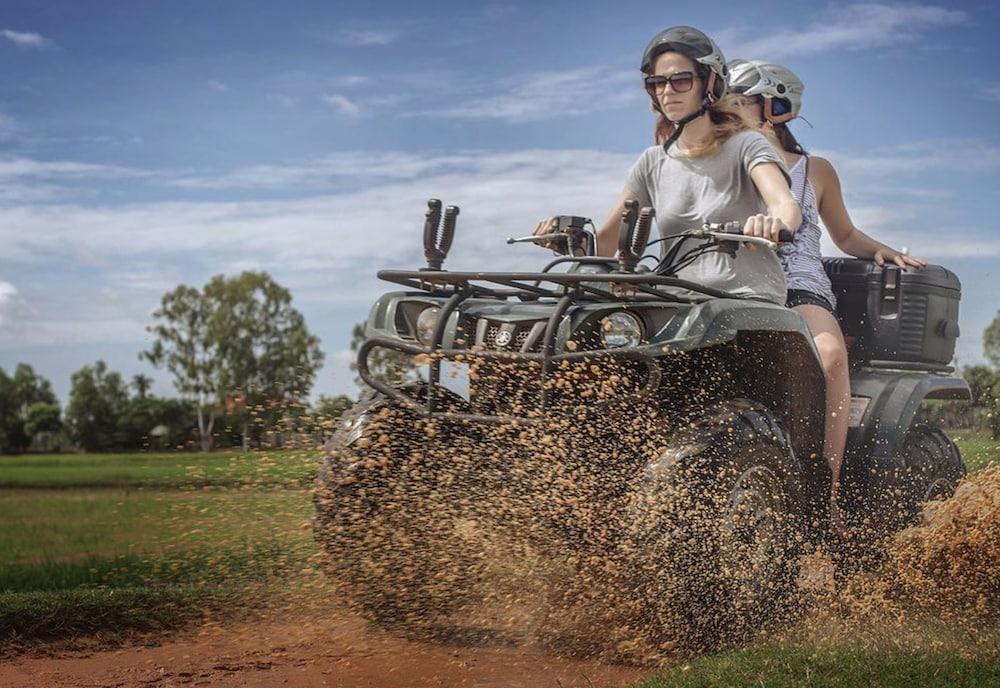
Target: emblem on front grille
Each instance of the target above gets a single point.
(503, 338)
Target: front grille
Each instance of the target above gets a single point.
(522, 336)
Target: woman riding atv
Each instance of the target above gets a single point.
(770, 96)
(708, 165)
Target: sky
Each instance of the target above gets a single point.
(149, 144)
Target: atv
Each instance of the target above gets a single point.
(655, 435)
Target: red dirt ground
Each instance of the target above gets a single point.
(338, 652)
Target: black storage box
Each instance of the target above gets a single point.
(896, 315)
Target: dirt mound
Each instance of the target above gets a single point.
(950, 563)
(938, 587)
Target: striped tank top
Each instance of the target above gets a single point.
(801, 258)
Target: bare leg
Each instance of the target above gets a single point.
(833, 355)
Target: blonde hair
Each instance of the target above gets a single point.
(726, 121)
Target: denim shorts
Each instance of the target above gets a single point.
(803, 297)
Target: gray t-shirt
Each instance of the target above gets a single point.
(687, 192)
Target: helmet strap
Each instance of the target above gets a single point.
(706, 103)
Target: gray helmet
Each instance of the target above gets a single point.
(696, 45)
(772, 81)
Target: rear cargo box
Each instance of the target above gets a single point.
(896, 315)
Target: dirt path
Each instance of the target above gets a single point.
(338, 652)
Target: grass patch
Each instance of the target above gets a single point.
(105, 561)
(829, 667)
(977, 447)
(177, 470)
(51, 615)
(67, 525)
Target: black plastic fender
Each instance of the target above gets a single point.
(884, 403)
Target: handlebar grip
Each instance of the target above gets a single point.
(642, 229)
(448, 228)
(785, 237)
(628, 223)
(432, 219)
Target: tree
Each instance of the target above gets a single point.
(991, 341)
(184, 346)
(268, 356)
(147, 420)
(981, 382)
(42, 418)
(332, 407)
(96, 400)
(142, 384)
(18, 393)
(239, 344)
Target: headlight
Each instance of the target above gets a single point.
(621, 329)
(426, 322)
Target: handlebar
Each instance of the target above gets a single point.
(735, 227)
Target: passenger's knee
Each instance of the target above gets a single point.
(833, 356)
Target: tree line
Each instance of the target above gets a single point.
(239, 354)
(243, 361)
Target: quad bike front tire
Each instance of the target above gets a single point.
(719, 536)
(388, 508)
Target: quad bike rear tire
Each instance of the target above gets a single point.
(719, 536)
(933, 464)
(928, 466)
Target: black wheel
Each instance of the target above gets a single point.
(933, 468)
(390, 514)
(717, 552)
(927, 467)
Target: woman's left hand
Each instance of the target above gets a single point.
(766, 226)
(900, 259)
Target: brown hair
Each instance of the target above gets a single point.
(786, 140)
(726, 121)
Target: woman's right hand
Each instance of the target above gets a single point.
(549, 225)
(766, 226)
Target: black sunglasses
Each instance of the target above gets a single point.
(681, 82)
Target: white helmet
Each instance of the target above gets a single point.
(781, 89)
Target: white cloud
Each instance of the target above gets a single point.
(353, 80)
(367, 37)
(548, 95)
(8, 295)
(217, 85)
(857, 26)
(19, 167)
(503, 193)
(69, 332)
(342, 104)
(25, 39)
(8, 126)
(920, 158)
(990, 93)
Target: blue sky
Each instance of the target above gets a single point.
(147, 144)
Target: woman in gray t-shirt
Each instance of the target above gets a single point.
(707, 166)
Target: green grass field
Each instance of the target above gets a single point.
(168, 471)
(829, 667)
(119, 543)
(113, 544)
(978, 449)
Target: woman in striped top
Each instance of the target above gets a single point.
(771, 97)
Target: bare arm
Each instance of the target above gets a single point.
(845, 235)
(782, 210)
